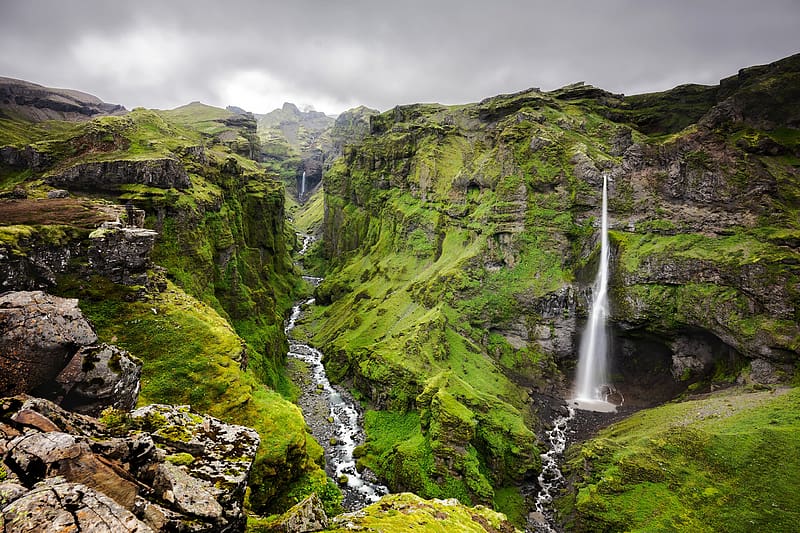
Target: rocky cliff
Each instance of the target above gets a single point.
(463, 243)
(35, 102)
(176, 249)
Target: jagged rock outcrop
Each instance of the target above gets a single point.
(37, 103)
(164, 173)
(160, 468)
(122, 254)
(37, 264)
(306, 516)
(46, 345)
(27, 157)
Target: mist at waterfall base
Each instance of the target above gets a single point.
(591, 384)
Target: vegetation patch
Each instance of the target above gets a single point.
(696, 465)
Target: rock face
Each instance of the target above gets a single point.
(98, 377)
(135, 468)
(38, 103)
(47, 345)
(165, 173)
(122, 254)
(39, 334)
(306, 516)
(56, 505)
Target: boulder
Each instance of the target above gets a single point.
(58, 505)
(58, 193)
(306, 516)
(188, 494)
(48, 347)
(98, 377)
(39, 334)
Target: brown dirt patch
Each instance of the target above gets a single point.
(69, 211)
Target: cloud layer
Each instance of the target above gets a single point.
(338, 54)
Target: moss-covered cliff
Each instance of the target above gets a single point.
(462, 244)
(205, 308)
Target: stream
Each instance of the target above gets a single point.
(551, 479)
(332, 414)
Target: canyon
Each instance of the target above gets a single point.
(455, 253)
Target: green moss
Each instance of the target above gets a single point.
(681, 466)
(191, 355)
(180, 459)
(407, 512)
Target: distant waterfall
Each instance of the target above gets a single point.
(303, 185)
(592, 362)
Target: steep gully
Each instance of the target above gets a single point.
(334, 418)
(331, 413)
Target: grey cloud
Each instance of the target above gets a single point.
(385, 53)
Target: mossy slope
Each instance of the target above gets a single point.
(462, 244)
(728, 462)
(214, 339)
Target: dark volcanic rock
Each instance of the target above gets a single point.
(166, 173)
(39, 334)
(122, 254)
(47, 345)
(37, 103)
(98, 377)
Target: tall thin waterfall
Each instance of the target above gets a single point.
(303, 185)
(592, 362)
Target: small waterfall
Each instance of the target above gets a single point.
(592, 381)
(303, 185)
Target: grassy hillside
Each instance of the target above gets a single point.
(462, 243)
(726, 462)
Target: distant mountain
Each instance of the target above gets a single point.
(34, 102)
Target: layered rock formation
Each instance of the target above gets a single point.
(465, 238)
(165, 173)
(159, 468)
(36, 102)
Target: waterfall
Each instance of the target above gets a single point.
(592, 377)
(303, 185)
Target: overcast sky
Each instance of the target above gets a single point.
(334, 55)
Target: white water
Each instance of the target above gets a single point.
(592, 361)
(303, 185)
(348, 434)
(551, 478)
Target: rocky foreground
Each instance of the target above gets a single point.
(159, 468)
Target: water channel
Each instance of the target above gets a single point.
(332, 414)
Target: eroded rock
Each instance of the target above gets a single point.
(164, 487)
(165, 173)
(122, 254)
(39, 334)
(98, 377)
(57, 505)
